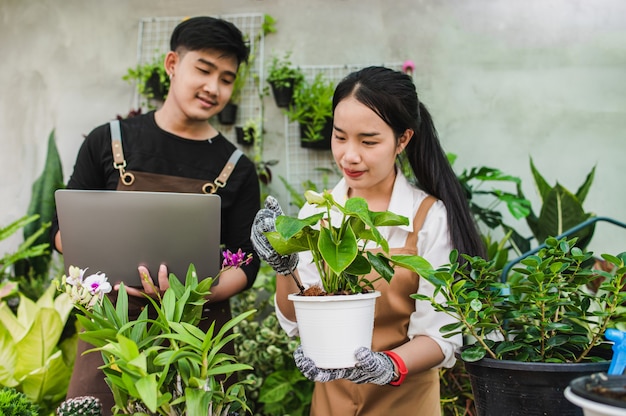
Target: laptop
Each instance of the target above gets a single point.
(114, 232)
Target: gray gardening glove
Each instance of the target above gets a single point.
(371, 367)
(264, 221)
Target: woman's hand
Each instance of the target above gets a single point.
(149, 287)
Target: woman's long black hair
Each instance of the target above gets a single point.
(392, 95)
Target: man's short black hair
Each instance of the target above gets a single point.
(205, 32)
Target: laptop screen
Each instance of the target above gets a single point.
(114, 232)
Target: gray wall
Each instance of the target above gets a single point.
(505, 80)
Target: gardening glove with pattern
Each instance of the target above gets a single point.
(371, 367)
(265, 221)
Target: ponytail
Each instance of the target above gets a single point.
(392, 95)
(434, 175)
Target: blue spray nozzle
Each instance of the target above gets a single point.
(618, 362)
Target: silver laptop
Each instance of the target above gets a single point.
(116, 231)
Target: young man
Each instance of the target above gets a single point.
(175, 149)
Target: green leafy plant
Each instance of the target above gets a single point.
(338, 245)
(251, 130)
(484, 202)
(150, 79)
(561, 209)
(276, 386)
(28, 249)
(282, 73)
(14, 403)
(542, 313)
(34, 358)
(42, 204)
(240, 81)
(297, 198)
(163, 363)
(312, 106)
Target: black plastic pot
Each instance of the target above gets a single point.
(283, 96)
(239, 133)
(228, 115)
(155, 88)
(325, 133)
(512, 388)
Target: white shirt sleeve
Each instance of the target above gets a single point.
(435, 246)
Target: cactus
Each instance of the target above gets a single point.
(85, 405)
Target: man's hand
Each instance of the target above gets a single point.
(149, 287)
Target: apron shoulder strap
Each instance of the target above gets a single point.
(220, 181)
(119, 162)
(128, 178)
(418, 221)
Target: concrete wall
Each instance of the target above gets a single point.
(505, 80)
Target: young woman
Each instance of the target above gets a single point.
(377, 116)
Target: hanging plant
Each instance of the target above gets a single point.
(151, 80)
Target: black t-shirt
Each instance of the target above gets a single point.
(148, 148)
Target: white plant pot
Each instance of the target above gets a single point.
(333, 327)
(593, 408)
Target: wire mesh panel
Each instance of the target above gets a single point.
(304, 164)
(154, 39)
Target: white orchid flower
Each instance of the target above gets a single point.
(97, 284)
(75, 277)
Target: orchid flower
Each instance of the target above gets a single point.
(235, 259)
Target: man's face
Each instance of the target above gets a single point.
(201, 81)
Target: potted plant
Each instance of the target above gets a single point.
(283, 78)
(345, 303)
(160, 363)
(313, 109)
(151, 80)
(531, 332)
(250, 131)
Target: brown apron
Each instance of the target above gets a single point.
(419, 393)
(87, 379)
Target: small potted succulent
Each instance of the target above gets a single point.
(538, 327)
(283, 78)
(337, 237)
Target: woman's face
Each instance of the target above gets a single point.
(365, 148)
